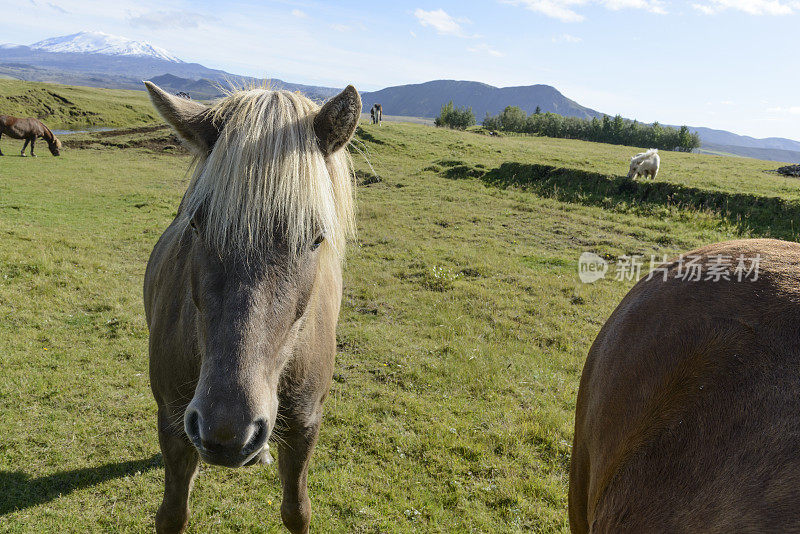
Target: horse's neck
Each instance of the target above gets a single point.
(47, 135)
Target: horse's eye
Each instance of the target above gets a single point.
(318, 241)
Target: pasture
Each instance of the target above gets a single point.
(461, 341)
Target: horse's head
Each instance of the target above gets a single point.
(268, 209)
(634, 166)
(54, 146)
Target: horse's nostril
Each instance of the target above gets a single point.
(192, 426)
(259, 438)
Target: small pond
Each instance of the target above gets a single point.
(85, 130)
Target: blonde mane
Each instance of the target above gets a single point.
(266, 180)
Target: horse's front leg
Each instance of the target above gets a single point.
(1, 137)
(180, 468)
(298, 435)
(24, 146)
(33, 141)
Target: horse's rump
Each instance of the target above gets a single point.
(689, 406)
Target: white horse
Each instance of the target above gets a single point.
(645, 164)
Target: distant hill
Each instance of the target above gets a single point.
(427, 99)
(769, 154)
(722, 137)
(205, 88)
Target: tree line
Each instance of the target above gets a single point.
(617, 131)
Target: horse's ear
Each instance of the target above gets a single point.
(191, 120)
(337, 120)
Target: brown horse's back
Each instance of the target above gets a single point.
(26, 128)
(688, 414)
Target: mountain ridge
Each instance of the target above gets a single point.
(426, 99)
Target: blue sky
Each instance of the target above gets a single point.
(729, 64)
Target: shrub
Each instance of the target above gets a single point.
(455, 117)
(513, 119)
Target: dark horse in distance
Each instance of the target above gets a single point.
(376, 113)
(28, 129)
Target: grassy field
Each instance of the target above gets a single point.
(461, 341)
(69, 107)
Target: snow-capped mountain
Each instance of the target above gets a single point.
(98, 59)
(102, 43)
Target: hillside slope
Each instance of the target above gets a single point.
(68, 107)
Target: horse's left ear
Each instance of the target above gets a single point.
(191, 120)
(337, 120)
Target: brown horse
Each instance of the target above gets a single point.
(242, 291)
(688, 412)
(28, 129)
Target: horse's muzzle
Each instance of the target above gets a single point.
(226, 448)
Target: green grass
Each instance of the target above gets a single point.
(462, 336)
(71, 107)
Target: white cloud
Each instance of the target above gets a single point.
(566, 38)
(557, 9)
(157, 20)
(791, 110)
(653, 6)
(486, 49)
(706, 10)
(567, 10)
(299, 14)
(341, 27)
(751, 7)
(440, 21)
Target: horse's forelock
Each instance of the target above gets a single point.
(266, 174)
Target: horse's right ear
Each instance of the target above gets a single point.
(191, 120)
(337, 120)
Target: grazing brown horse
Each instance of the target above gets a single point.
(28, 129)
(688, 412)
(242, 291)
